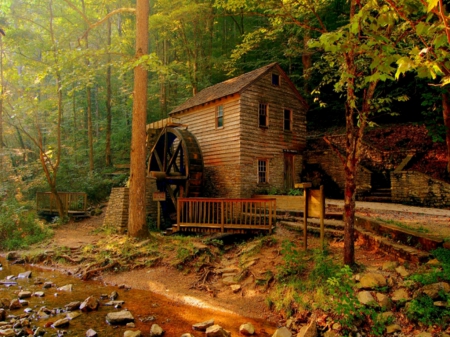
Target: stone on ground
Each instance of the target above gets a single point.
(203, 325)
(156, 331)
(217, 331)
(282, 332)
(247, 329)
(119, 317)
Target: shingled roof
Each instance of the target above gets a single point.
(226, 88)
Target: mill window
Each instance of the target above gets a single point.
(287, 120)
(276, 80)
(219, 117)
(262, 172)
(263, 115)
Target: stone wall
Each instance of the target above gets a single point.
(117, 211)
(332, 165)
(419, 189)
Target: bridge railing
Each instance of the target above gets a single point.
(226, 215)
(73, 202)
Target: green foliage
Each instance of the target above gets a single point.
(19, 226)
(435, 274)
(422, 309)
(294, 262)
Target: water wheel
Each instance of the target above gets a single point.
(177, 164)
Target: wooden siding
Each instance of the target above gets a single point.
(269, 143)
(220, 147)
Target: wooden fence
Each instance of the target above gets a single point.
(73, 202)
(225, 215)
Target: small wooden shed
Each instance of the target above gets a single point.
(251, 130)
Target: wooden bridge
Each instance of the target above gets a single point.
(74, 203)
(225, 215)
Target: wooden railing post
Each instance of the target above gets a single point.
(223, 216)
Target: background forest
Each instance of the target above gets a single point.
(67, 80)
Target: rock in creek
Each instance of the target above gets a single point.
(113, 296)
(130, 333)
(24, 275)
(67, 287)
(7, 332)
(72, 306)
(120, 317)
(15, 304)
(61, 322)
(282, 332)
(187, 335)
(24, 294)
(91, 333)
(89, 304)
(156, 331)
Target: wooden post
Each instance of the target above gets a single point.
(322, 216)
(305, 218)
(222, 216)
(158, 219)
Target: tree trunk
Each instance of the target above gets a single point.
(446, 115)
(137, 210)
(108, 160)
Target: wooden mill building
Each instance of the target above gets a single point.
(251, 130)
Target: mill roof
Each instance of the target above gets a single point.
(230, 87)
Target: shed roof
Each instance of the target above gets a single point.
(230, 87)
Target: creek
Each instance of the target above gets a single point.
(146, 307)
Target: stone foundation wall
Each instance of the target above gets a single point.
(117, 211)
(332, 165)
(419, 189)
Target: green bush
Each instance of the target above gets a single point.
(19, 227)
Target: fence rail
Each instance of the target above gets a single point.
(226, 215)
(73, 202)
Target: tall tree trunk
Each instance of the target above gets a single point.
(108, 160)
(1, 108)
(137, 210)
(89, 104)
(446, 115)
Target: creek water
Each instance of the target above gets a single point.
(146, 307)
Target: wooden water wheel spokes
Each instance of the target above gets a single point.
(177, 164)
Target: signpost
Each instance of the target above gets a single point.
(159, 196)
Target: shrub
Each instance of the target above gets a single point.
(19, 227)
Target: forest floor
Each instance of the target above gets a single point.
(194, 280)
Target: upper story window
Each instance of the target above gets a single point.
(219, 117)
(287, 120)
(263, 174)
(276, 79)
(263, 115)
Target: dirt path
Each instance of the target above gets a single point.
(176, 284)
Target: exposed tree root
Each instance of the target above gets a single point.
(87, 274)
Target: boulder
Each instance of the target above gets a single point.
(393, 328)
(203, 325)
(217, 331)
(282, 332)
(433, 290)
(15, 304)
(61, 322)
(156, 331)
(24, 275)
(384, 301)
(7, 332)
(309, 330)
(119, 317)
(72, 306)
(366, 298)
(402, 271)
(24, 294)
(130, 333)
(89, 304)
(72, 315)
(400, 295)
(91, 333)
(67, 287)
(372, 280)
(247, 329)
